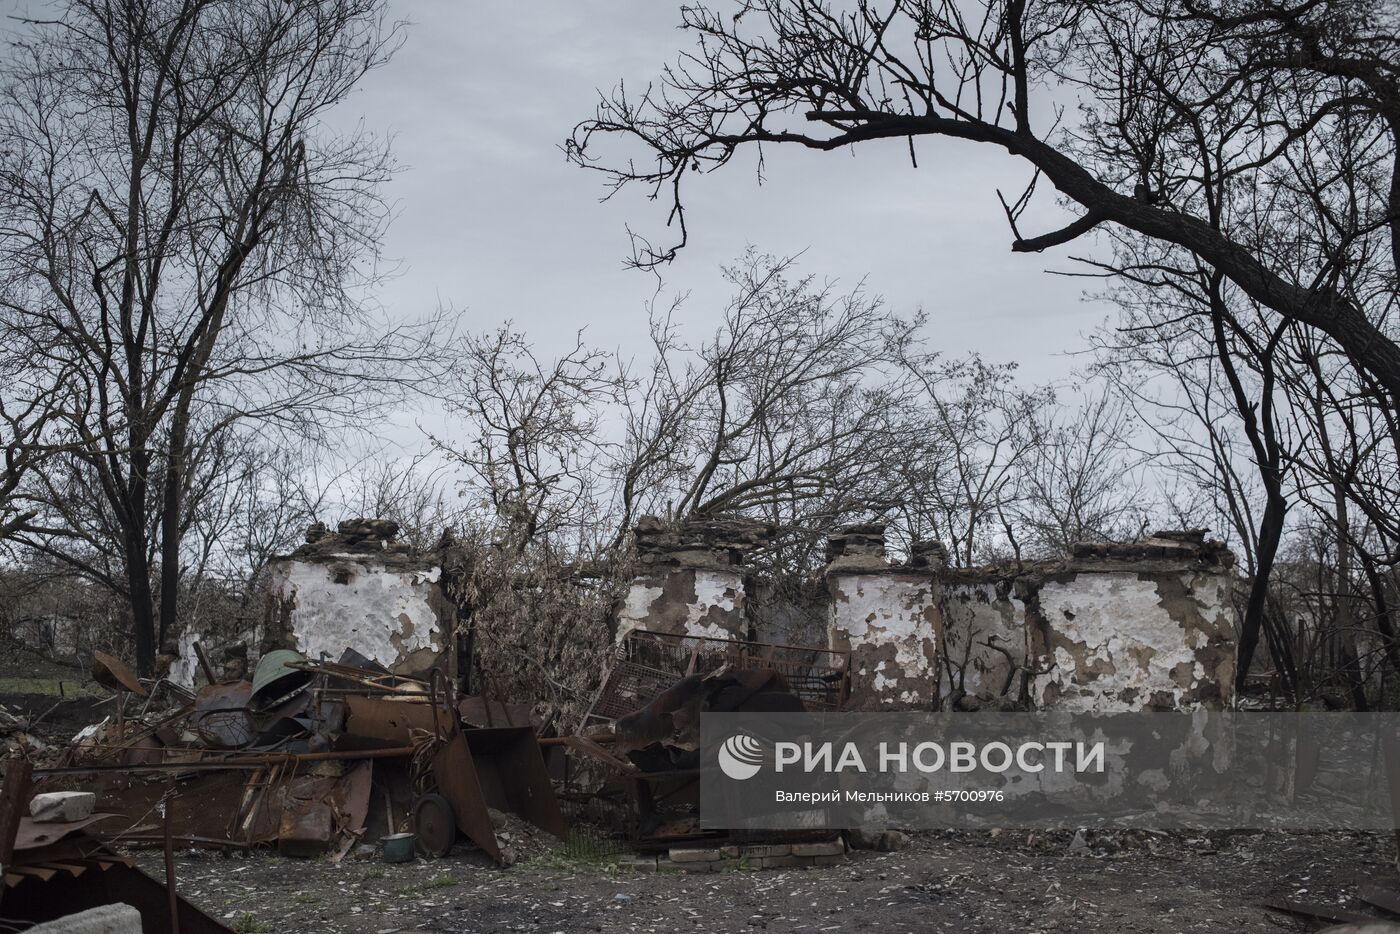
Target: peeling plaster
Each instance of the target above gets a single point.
(890, 624)
(686, 601)
(1128, 641)
(186, 663)
(975, 614)
(349, 601)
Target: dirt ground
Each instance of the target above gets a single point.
(964, 882)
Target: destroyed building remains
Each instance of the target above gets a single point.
(351, 723)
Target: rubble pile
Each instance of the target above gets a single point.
(314, 758)
(18, 738)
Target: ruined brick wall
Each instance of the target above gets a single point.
(1113, 627)
(690, 580)
(359, 589)
(887, 617)
(984, 636)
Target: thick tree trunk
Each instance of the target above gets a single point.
(1270, 534)
(143, 622)
(172, 506)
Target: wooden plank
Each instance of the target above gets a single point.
(14, 802)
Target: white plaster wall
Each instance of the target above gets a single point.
(636, 607)
(714, 590)
(186, 665)
(973, 615)
(871, 612)
(383, 613)
(1127, 643)
(182, 670)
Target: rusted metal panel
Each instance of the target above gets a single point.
(457, 781)
(44, 886)
(479, 711)
(306, 829)
(512, 774)
(376, 722)
(111, 672)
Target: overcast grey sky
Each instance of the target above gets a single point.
(493, 221)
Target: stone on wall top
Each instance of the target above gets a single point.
(860, 548)
(709, 543)
(369, 537)
(1175, 546)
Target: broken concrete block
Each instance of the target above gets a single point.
(824, 848)
(104, 919)
(765, 850)
(695, 854)
(62, 806)
(777, 862)
(709, 865)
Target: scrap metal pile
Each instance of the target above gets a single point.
(318, 757)
(638, 744)
(312, 757)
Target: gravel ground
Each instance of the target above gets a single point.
(964, 882)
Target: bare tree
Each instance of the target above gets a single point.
(1085, 480)
(535, 451)
(788, 413)
(1261, 84)
(981, 425)
(185, 242)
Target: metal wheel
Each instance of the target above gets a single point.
(435, 825)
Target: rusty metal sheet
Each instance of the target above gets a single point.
(79, 873)
(480, 712)
(209, 808)
(350, 799)
(378, 722)
(111, 672)
(221, 715)
(458, 782)
(306, 829)
(510, 768)
(33, 834)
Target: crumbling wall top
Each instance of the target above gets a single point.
(1177, 547)
(1167, 550)
(368, 537)
(709, 543)
(860, 549)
